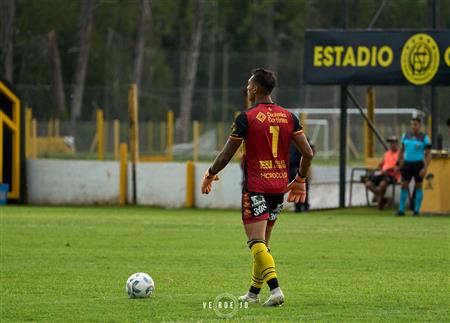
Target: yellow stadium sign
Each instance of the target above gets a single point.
(360, 56)
(377, 57)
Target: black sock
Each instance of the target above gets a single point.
(273, 283)
(254, 290)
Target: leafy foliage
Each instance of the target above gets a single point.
(254, 30)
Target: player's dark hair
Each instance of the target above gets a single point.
(265, 78)
(448, 122)
(417, 119)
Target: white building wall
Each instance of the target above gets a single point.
(226, 191)
(161, 184)
(57, 181)
(81, 182)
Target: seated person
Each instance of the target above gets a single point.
(386, 174)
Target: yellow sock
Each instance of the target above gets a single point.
(263, 259)
(257, 280)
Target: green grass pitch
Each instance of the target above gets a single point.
(70, 264)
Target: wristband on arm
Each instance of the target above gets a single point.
(209, 174)
(299, 178)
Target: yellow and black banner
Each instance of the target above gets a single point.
(414, 57)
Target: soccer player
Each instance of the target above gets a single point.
(387, 173)
(267, 131)
(415, 156)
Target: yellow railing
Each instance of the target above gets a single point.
(14, 125)
(368, 134)
(123, 177)
(166, 134)
(100, 135)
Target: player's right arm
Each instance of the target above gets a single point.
(238, 132)
(222, 159)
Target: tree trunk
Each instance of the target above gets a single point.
(8, 8)
(113, 77)
(86, 19)
(211, 64)
(272, 42)
(57, 78)
(108, 76)
(183, 44)
(225, 79)
(188, 82)
(144, 18)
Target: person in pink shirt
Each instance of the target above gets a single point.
(386, 174)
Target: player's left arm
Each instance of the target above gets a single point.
(297, 188)
(302, 144)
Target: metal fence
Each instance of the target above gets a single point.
(318, 106)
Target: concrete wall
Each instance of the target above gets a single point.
(226, 191)
(82, 182)
(52, 181)
(161, 184)
(324, 188)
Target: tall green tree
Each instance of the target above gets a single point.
(86, 19)
(8, 9)
(190, 69)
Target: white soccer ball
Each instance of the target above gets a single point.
(140, 285)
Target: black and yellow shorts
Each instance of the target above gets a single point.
(261, 207)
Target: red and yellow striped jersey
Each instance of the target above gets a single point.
(267, 130)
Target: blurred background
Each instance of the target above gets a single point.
(190, 60)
